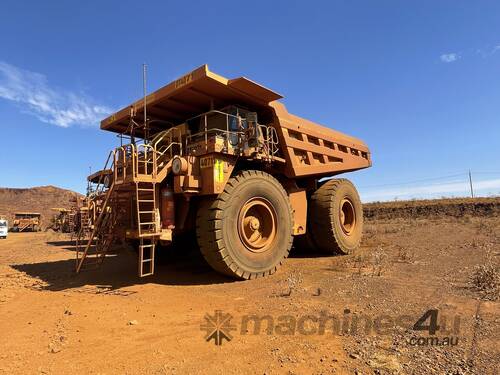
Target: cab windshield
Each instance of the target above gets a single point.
(3, 224)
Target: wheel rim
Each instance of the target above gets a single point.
(347, 216)
(257, 225)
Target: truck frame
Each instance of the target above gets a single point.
(225, 159)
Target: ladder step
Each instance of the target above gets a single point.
(146, 265)
(148, 223)
(146, 200)
(143, 189)
(146, 212)
(149, 234)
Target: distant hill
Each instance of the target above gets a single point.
(37, 199)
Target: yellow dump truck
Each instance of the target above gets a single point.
(26, 222)
(62, 220)
(224, 159)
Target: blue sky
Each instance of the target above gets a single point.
(418, 81)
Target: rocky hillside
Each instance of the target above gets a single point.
(37, 199)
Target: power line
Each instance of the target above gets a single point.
(487, 173)
(417, 181)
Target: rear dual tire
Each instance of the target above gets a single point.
(335, 218)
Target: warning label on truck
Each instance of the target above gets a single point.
(219, 171)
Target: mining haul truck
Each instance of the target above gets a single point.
(61, 221)
(26, 222)
(222, 158)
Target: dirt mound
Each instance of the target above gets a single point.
(37, 199)
(455, 207)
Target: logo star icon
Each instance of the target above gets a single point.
(218, 327)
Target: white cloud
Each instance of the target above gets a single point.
(449, 57)
(54, 106)
(458, 188)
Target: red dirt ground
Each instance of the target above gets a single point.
(108, 321)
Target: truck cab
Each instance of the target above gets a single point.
(4, 225)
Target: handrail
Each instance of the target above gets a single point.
(144, 161)
(271, 140)
(166, 133)
(223, 131)
(121, 153)
(226, 131)
(97, 222)
(214, 111)
(143, 158)
(100, 183)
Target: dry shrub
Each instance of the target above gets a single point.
(291, 284)
(466, 219)
(359, 262)
(405, 256)
(485, 227)
(485, 279)
(370, 230)
(339, 264)
(393, 228)
(294, 280)
(378, 261)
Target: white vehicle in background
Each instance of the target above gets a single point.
(4, 226)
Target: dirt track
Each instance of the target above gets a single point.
(109, 321)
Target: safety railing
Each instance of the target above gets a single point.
(270, 140)
(231, 137)
(124, 163)
(102, 183)
(143, 159)
(165, 141)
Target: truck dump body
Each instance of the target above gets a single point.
(313, 149)
(190, 95)
(309, 149)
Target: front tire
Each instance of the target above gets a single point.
(246, 231)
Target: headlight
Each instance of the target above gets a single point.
(179, 165)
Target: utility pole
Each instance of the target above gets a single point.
(470, 182)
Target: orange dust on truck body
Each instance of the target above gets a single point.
(225, 160)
